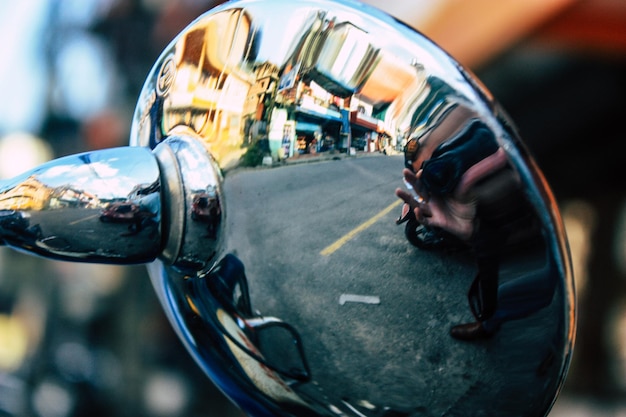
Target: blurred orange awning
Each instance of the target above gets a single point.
(476, 31)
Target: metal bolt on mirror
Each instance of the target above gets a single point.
(291, 283)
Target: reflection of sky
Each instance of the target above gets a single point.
(114, 177)
(280, 38)
(195, 170)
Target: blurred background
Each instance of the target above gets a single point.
(86, 340)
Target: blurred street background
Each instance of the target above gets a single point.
(85, 340)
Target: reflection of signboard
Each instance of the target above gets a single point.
(288, 135)
(276, 130)
(288, 80)
(277, 123)
(233, 95)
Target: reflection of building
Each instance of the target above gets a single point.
(337, 90)
(319, 119)
(336, 86)
(29, 195)
(204, 86)
(343, 59)
(33, 195)
(365, 128)
(66, 196)
(259, 102)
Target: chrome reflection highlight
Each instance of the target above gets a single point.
(468, 311)
(192, 208)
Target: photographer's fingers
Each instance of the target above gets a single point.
(406, 197)
(409, 176)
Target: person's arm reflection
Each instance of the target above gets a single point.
(454, 213)
(468, 189)
(450, 202)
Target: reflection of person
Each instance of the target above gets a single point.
(470, 191)
(425, 141)
(517, 298)
(206, 208)
(448, 178)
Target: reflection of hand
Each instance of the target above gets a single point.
(453, 213)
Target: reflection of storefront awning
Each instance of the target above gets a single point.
(344, 59)
(365, 121)
(327, 114)
(307, 127)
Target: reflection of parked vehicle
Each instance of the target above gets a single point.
(427, 238)
(120, 212)
(13, 220)
(16, 224)
(359, 144)
(205, 207)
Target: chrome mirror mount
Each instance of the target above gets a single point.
(122, 206)
(294, 288)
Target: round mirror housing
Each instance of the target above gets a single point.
(389, 249)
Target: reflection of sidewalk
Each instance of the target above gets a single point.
(569, 406)
(325, 156)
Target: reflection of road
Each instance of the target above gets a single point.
(281, 219)
(79, 230)
(84, 219)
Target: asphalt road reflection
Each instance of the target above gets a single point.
(398, 345)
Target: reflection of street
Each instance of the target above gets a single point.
(88, 235)
(84, 219)
(399, 348)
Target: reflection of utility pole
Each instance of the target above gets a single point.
(346, 129)
(270, 97)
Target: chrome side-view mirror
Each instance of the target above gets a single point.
(295, 286)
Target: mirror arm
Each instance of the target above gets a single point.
(116, 206)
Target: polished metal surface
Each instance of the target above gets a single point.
(356, 321)
(94, 207)
(123, 206)
(275, 143)
(192, 203)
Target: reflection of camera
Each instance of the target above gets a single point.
(413, 193)
(410, 153)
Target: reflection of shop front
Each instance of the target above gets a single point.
(317, 131)
(364, 139)
(308, 135)
(365, 131)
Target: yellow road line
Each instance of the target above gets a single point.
(352, 233)
(83, 219)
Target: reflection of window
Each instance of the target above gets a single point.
(194, 43)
